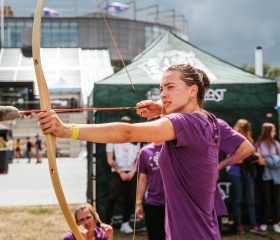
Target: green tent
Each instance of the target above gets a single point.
(234, 93)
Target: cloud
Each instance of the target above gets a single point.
(231, 29)
(228, 29)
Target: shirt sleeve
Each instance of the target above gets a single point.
(185, 128)
(230, 139)
(109, 147)
(142, 162)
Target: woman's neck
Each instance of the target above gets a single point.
(192, 107)
(91, 237)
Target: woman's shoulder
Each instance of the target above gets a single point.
(69, 236)
(100, 234)
(184, 119)
(180, 116)
(277, 143)
(147, 146)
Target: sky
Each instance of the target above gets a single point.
(231, 29)
(227, 29)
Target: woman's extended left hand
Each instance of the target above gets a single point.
(50, 123)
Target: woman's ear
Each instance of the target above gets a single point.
(194, 90)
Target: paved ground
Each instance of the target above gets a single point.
(30, 184)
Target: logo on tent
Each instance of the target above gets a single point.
(155, 67)
(224, 189)
(215, 95)
(153, 94)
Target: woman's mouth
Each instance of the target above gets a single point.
(166, 104)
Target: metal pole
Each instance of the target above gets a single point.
(145, 8)
(2, 23)
(258, 61)
(135, 16)
(134, 9)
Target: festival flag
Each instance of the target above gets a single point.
(115, 7)
(47, 12)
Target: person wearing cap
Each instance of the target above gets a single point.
(126, 119)
(122, 157)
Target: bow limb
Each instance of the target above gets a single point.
(46, 105)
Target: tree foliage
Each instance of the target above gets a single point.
(269, 72)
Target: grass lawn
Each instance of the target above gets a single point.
(47, 223)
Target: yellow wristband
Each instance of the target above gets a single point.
(75, 131)
(138, 202)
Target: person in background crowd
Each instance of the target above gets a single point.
(269, 187)
(18, 150)
(90, 225)
(38, 149)
(2, 142)
(29, 146)
(150, 185)
(122, 159)
(10, 148)
(242, 178)
(189, 133)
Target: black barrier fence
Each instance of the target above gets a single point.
(4, 161)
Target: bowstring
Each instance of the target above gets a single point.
(133, 87)
(117, 49)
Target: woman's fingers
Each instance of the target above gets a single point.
(49, 122)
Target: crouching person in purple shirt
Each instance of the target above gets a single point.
(90, 225)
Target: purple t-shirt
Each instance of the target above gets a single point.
(148, 164)
(229, 142)
(190, 179)
(98, 232)
(230, 139)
